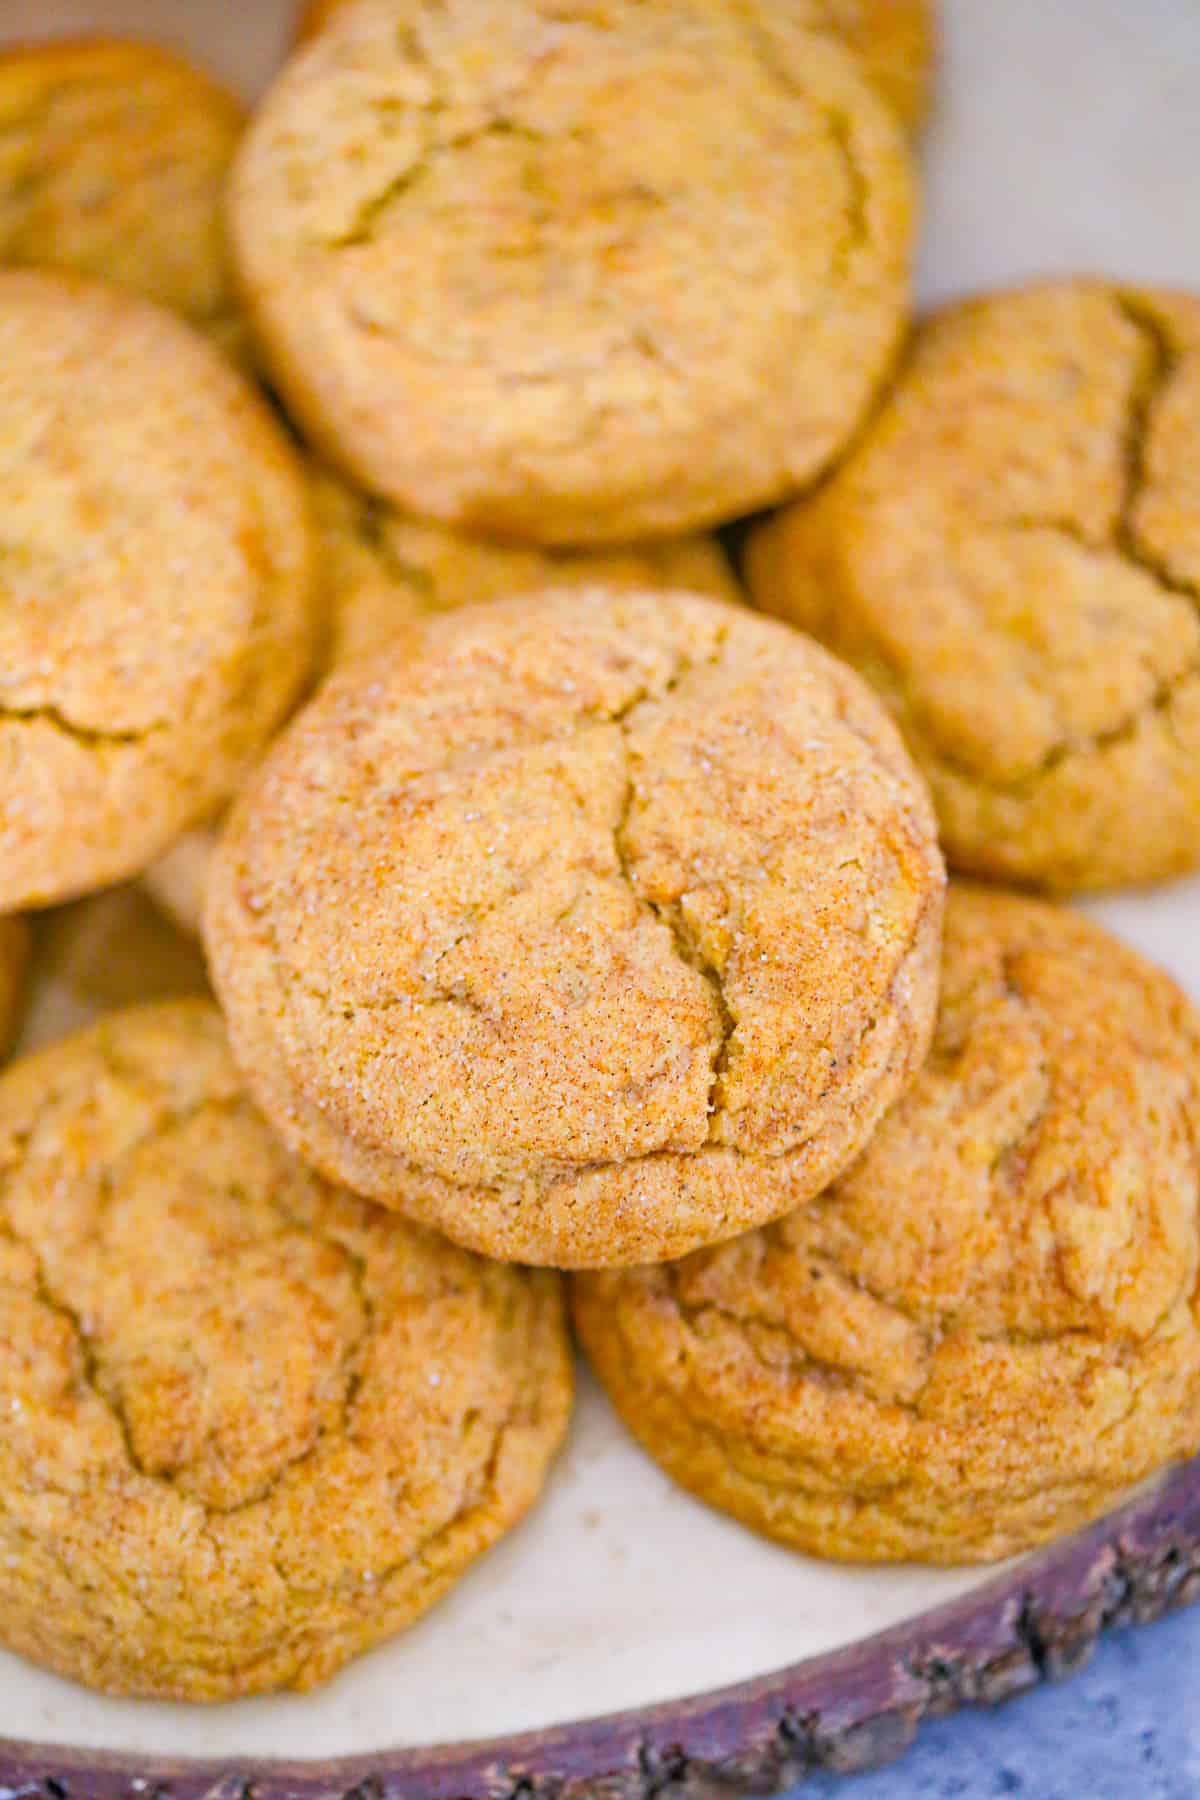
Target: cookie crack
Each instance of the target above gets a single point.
(687, 946)
(857, 233)
(839, 128)
(91, 737)
(830, 1374)
(93, 1370)
(363, 228)
(368, 528)
(1159, 365)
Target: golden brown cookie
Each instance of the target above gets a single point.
(990, 1326)
(14, 958)
(599, 926)
(156, 605)
(113, 159)
(1013, 557)
(383, 573)
(895, 40)
(507, 274)
(249, 1426)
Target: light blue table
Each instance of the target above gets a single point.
(1127, 1728)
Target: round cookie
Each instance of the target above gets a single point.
(507, 275)
(894, 39)
(989, 1327)
(593, 928)
(383, 573)
(250, 1426)
(1012, 556)
(14, 958)
(156, 606)
(113, 161)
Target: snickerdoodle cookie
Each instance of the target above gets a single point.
(14, 956)
(1013, 557)
(597, 927)
(990, 1325)
(507, 272)
(894, 39)
(156, 604)
(113, 159)
(383, 573)
(249, 1426)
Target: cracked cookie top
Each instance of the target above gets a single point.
(1013, 557)
(507, 273)
(893, 38)
(383, 573)
(596, 926)
(113, 158)
(989, 1327)
(156, 608)
(250, 1425)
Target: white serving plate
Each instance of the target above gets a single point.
(1067, 138)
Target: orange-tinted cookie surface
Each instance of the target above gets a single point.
(894, 39)
(156, 583)
(113, 160)
(1012, 556)
(989, 1327)
(249, 1426)
(598, 926)
(507, 274)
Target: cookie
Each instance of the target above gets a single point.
(596, 927)
(250, 1426)
(14, 957)
(893, 38)
(507, 275)
(1013, 557)
(986, 1330)
(113, 160)
(156, 603)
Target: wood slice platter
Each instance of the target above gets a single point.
(625, 1641)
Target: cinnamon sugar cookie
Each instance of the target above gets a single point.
(249, 1426)
(383, 573)
(113, 158)
(595, 927)
(894, 40)
(1012, 556)
(989, 1327)
(507, 274)
(156, 606)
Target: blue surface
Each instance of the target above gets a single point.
(1127, 1727)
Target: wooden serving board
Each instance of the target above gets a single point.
(1067, 139)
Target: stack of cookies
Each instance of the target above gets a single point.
(568, 906)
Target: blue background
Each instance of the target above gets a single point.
(1128, 1726)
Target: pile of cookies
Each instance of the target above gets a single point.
(570, 878)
